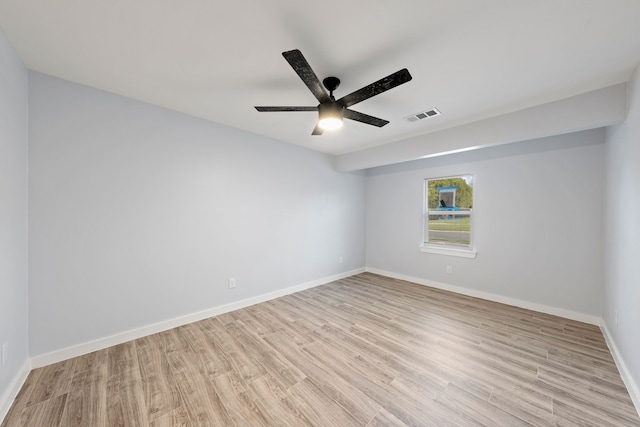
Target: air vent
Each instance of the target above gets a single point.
(423, 115)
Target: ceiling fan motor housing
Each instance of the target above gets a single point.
(331, 109)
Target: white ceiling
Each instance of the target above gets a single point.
(471, 59)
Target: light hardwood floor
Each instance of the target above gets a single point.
(362, 351)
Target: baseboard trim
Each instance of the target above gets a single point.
(101, 343)
(7, 398)
(632, 387)
(567, 314)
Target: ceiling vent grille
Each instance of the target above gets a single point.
(423, 115)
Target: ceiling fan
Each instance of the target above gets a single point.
(331, 111)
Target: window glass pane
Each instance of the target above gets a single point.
(448, 211)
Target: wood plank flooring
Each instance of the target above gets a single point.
(362, 351)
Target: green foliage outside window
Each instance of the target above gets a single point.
(464, 192)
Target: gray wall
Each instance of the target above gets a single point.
(140, 214)
(537, 221)
(13, 214)
(622, 235)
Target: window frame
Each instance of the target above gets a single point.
(467, 251)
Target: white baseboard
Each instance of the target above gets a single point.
(99, 344)
(7, 398)
(567, 314)
(56, 356)
(632, 387)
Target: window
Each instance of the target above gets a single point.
(448, 207)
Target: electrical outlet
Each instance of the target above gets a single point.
(5, 349)
(449, 269)
(340, 260)
(232, 282)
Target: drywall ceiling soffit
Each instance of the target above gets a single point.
(595, 109)
(470, 59)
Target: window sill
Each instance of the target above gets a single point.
(444, 250)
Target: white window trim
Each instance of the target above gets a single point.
(448, 250)
(443, 249)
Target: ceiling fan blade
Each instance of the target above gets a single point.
(364, 118)
(317, 130)
(376, 88)
(306, 73)
(276, 109)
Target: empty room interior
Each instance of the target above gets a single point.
(339, 214)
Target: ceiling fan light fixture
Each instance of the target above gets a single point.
(330, 115)
(331, 112)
